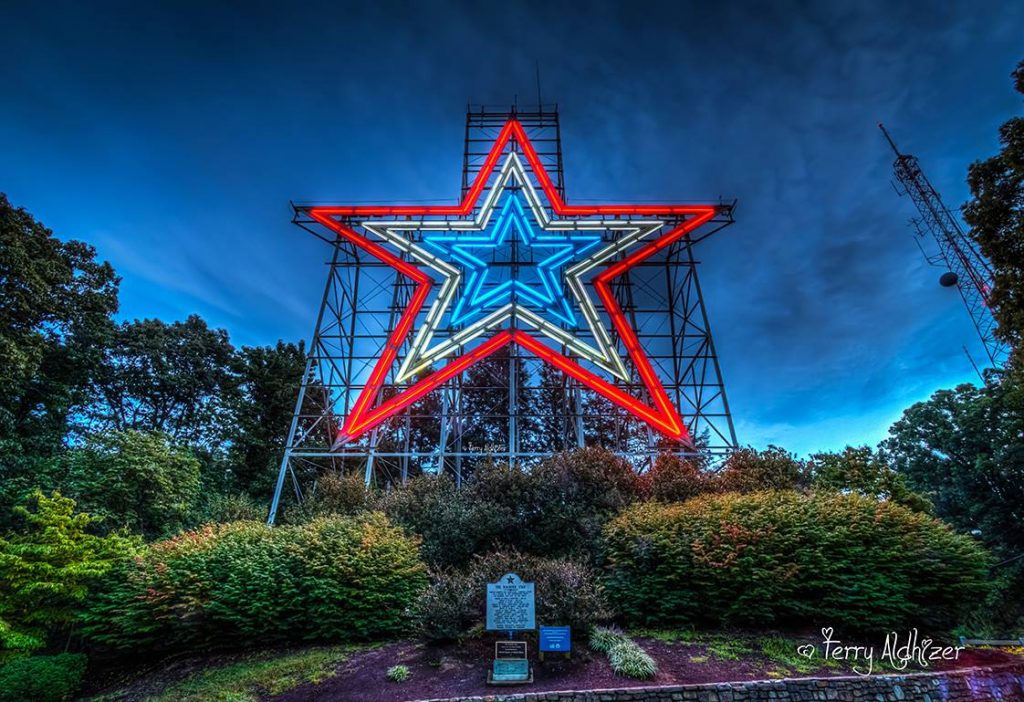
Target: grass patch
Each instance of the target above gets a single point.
(259, 675)
(728, 649)
(667, 635)
(783, 651)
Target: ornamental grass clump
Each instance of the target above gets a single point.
(625, 656)
(629, 660)
(398, 673)
(602, 638)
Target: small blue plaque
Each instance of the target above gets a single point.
(555, 639)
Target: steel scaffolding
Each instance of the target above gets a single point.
(511, 406)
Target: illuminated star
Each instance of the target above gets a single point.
(512, 223)
(422, 355)
(633, 229)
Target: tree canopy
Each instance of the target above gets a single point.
(56, 307)
(996, 217)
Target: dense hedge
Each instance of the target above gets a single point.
(785, 557)
(42, 678)
(555, 509)
(242, 583)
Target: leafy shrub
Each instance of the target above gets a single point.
(450, 606)
(556, 509)
(512, 504)
(332, 578)
(631, 661)
(398, 673)
(451, 525)
(774, 557)
(231, 507)
(42, 678)
(339, 493)
(568, 592)
(586, 488)
(46, 571)
(750, 470)
(673, 479)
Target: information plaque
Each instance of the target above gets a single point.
(510, 650)
(555, 639)
(510, 604)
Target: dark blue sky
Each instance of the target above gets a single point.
(173, 137)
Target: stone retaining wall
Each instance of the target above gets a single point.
(1002, 683)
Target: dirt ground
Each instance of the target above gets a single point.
(451, 671)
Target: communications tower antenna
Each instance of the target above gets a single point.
(967, 269)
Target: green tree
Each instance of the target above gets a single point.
(47, 569)
(135, 480)
(964, 450)
(865, 472)
(56, 303)
(177, 378)
(996, 217)
(269, 377)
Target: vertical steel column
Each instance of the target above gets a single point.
(297, 413)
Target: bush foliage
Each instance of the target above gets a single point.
(568, 592)
(451, 526)
(782, 557)
(556, 509)
(135, 480)
(337, 578)
(47, 569)
(42, 678)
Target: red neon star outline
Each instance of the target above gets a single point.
(663, 416)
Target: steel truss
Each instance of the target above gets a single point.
(511, 407)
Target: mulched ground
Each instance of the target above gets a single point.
(451, 671)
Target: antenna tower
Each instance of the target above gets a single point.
(971, 272)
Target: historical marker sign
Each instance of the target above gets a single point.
(510, 604)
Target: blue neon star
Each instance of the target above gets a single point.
(512, 220)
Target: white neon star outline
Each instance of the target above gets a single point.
(421, 357)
